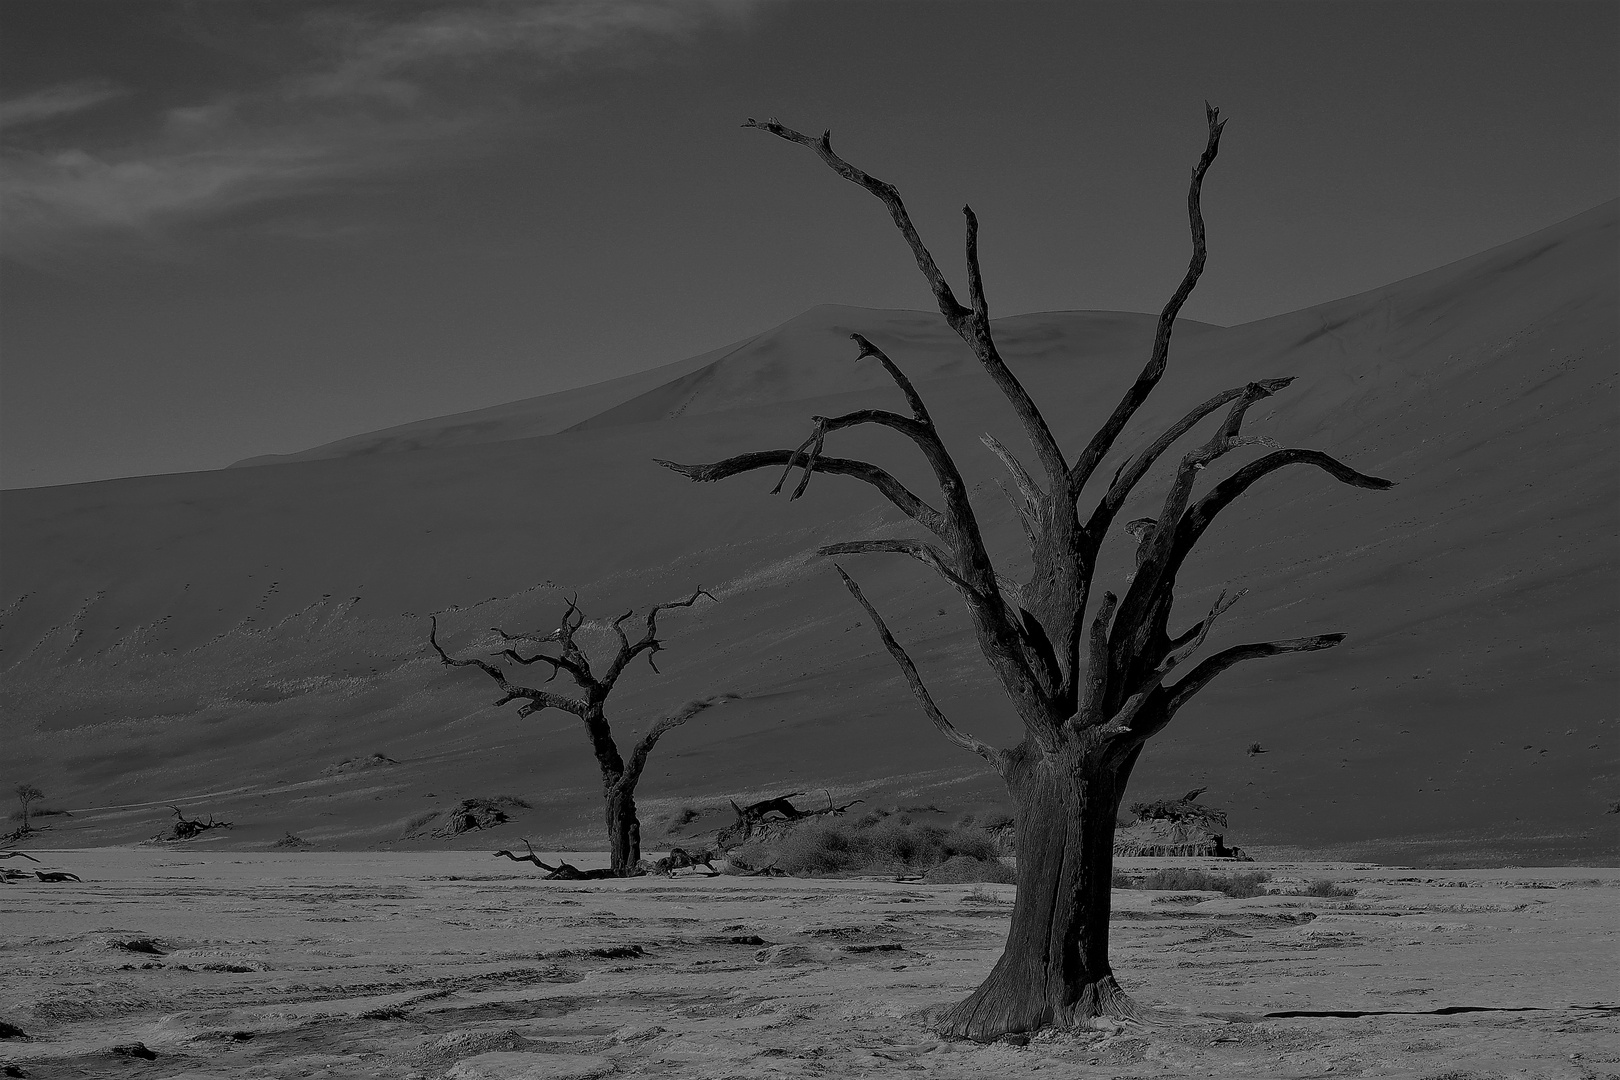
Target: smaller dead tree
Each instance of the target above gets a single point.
(27, 794)
(620, 774)
(185, 828)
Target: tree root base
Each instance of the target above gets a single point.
(1106, 1009)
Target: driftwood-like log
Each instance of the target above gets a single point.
(563, 871)
(17, 855)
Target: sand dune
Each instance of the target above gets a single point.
(245, 629)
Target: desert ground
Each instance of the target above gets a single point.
(172, 964)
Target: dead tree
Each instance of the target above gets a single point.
(185, 828)
(1090, 687)
(619, 773)
(27, 795)
(752, 816)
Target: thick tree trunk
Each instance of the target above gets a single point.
(1054, 971)
(624, 831)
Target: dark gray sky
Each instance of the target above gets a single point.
(251, 227)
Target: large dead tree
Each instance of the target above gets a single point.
(620, 774)
(1089, 691)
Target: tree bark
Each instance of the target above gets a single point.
(624, 831)
(1054, 971)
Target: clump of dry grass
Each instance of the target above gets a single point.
(1172, 878)
(878, 843)
(1323, 887)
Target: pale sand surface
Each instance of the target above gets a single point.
(398, 965)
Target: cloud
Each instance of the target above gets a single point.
(378, 88)
(55, 101)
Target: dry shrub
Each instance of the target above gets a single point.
(963, 869)
(1323, 887)
(877, 843)
(1176, 878)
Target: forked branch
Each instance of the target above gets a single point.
(1133, 470)
(537, 699)
(972, 325)
(649, 642)
(1122, 720)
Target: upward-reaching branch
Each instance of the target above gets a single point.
(1132, 471)
(972, 324)
(637, 761)
(1101, 442)
(890, 198)
(649, 642)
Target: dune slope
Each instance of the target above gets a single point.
(237, 633)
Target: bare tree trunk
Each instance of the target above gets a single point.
(624, 830)
(1054, 971)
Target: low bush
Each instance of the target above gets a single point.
(40, 812)
(964, 869)
(1173, 878)
(1323, 887)
(876, 843)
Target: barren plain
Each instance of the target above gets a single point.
(446, 964)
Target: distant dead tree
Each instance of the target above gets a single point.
(754, 815)
(27, 794)
(1090, 692)
(619, 774)
(185, 828)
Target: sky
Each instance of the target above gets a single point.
(249, 227)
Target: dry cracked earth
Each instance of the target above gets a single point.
(181, 964)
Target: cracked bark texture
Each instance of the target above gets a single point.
(1089, 695)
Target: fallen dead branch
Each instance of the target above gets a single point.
(755, 815)
(561, 872)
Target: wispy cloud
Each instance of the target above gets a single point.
(377, 90)
(55, 101)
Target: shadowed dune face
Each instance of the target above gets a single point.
(239, 631)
